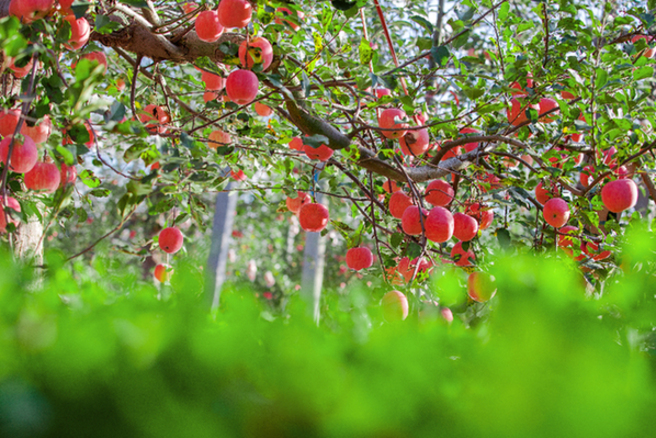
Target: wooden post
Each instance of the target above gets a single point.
(224, 215)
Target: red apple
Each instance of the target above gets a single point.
(390, 186)
(295, 204)
(262, 110)
(68, 140)
(159, 115)
(234, 13)
(480, 286)
(542, 195)
(24, 155)
(20, 72)
(399, 201)
(242, 86)
(564, 239)
(395, 306)
(43, 176)
(208, 27)
(322, 153)
(218, 138)
(415, 143)
(517, 112)
(393, 118)
(98, 57)
(80, 32)
(382, 91)
(12, 204)
(238, 176)
(212, 82)
(619, 195)
(30, 10)
(8, 121)
(170, 240)
(461, 257)
(439, 225)
(254, 52)
(470, 146)
(163, 273)
(40, 132)
(296, 144)
(313, 217)
(556, 212)
(465, 227)
(439, 193)
(411, 222)
(359, 258)
(68, 175)
(547, 104)
(286, 13)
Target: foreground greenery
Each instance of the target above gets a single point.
(94, 353)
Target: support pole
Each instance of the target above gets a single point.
(313, 263)
(224, 215)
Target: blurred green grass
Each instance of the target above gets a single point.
(99, 355)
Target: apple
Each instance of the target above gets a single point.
(439, 193)
(587, 173)
(461, 257)
(564, 239)
(159, 115)
(546, 104)
(517, 112)
(12, 204)
(480, 286)
(295, 204)
(43, 176)
(411, 221)
(20, 72)
(648, 53)
(163, 272)
(262, 110)
(218, 138)
(238, 176)
(619, 195)
(208, 27)
(390, 186)
(439, 225)
(415, 143)
(296, 144)
(80, 32)
(398, 203)
(209, 96)
(24, 154)
(68, 175)
(482, 214)
(465, 227)
(453, 152)
(98, 57)
(8, 121)
(556, 212)
(395, 306)
(170, 240)
(242, 86)
(30, 10)
(68, 140)
(322, 153)
(591, 249)
(286, 13)
(235, 13)
(470, 146)
(542, 195)
(188, 7)
(359, 258)
(406, 268)
(254, 52)
(40, 132)
(313, 217)
(392, 118)
(382, 91)
(212, 82)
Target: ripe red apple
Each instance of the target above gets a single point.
(68, 175)
(453, 152)
(163, 272)
(390, 186)
(322, 153)
(395, 306)
(43, 176)
(542, 195)
(65, 6)
(234, 13)
(159, 115)
(8, 121)
(208, 27)
(556, 212)
(296, 144)
(415, 143)
(482, 214)
(30, 10)
(439, 193)
(188, 7)
(98, 57)
(218, 138)
(564, 239)
(399, 201)
(461, 257)
(209, 96)
(393, 118)
(20, 72)
(295, 204)
(518, 90)
(68, 140)
(517, 112)
(40, 132)
(470, 146)
(242, 86)
(547, 104)
(212, 82)
(80, 32)
(313, 217)
(480, 286)
(12, 204)
(170, 240)
(24, 155)
(382, 91)
(587, 173)
(439, 225)
(286, 13)
(465, 227)
(262, 110)
(411, 222)
(648, 53)
(359, 258)
(591, 249)
(254, 52)
(619, 195)
(406, 268)
(239, 175)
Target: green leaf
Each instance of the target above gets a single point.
(643, 72)
(602, 78)
(503, 11)
(440, 55)
(423, 22)
(366, 54)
